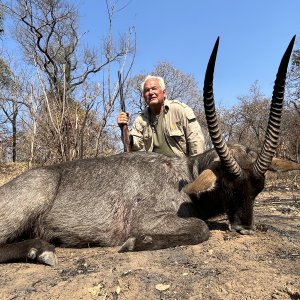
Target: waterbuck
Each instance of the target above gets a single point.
(139, 201)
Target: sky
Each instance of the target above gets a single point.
(253, 36)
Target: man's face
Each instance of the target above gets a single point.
(154, 95)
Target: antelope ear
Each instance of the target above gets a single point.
(283, 165)
(204, 182)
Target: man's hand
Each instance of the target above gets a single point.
(123, 119)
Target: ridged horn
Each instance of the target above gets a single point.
(220, 146)
(273, 129)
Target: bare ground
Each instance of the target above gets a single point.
(228, 266)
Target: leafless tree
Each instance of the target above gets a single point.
(111, 92)
(290, 139)
(1, 22)
(293, 82)
(49, 36)
(292, 121)
(252, 115)
(245, 123)
(10, 103)
(179, 85)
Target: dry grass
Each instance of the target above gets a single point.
(9, 171)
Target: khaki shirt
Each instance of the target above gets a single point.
(181, 128)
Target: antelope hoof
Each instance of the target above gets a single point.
(128, 246)
(241, 230)
(247, 231)
(46, 257)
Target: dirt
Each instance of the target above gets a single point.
(265, 265)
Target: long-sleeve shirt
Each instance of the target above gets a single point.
(181, 129)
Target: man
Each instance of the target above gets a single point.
(164, 126)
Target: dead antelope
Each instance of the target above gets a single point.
(158, 202)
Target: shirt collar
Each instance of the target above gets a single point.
(147, 112)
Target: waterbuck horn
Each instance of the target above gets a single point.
(220, 146)
(272, 133)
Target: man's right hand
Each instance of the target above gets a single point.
(123, 119)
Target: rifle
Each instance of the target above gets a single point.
(124, 128)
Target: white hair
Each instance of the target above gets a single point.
(158, 78)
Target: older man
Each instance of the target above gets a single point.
(164, 126)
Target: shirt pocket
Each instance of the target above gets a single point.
(175, 129)
(140, 125)
(178, 137)
(176, 132)
(147, 133)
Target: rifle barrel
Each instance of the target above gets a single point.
(124, 129)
